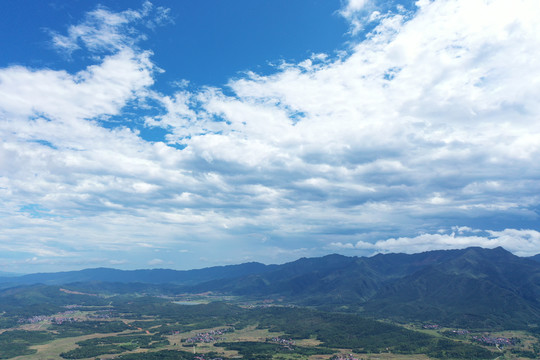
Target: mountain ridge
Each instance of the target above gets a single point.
(464, 287)
(153, 276)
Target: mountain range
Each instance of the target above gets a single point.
(473, 287)
(153, 276)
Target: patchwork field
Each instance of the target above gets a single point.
(134, 327)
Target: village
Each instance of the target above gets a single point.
(496, 341)
(286, 343)
(207, 337)
(56, 319)
(344, 357)
(68, 316)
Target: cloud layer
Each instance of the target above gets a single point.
(429, 123)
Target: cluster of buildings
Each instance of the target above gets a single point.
(344, 357)
(43, 318)
(102, 314)
(495, 341)
(56, 319)
(210, 336)
(285, 342)
(431, 326)
(65, 317)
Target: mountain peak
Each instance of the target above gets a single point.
(497, 252)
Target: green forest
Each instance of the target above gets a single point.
(156, 327)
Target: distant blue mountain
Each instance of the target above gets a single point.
(154, 276)
(4, 274)
(467, 287)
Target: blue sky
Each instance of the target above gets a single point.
(186, 134)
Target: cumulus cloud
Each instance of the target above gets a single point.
(520, 242)
(413, 123)
(425, 124)
(101, 89)
(356, 12)
(362, 14)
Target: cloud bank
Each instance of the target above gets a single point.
(429, 123)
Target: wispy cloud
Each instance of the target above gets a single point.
(106, 31)
(155, 262)
(357, 13)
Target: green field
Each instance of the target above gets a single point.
(146, 328)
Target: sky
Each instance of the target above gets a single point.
(188, 134)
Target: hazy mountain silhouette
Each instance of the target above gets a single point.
(468, 287)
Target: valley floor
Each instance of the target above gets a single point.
(148, 328)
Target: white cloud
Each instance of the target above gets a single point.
(56, 95)
(117, 262)
(520, 242)
(361, 14)
(426, 118)
(435, 104)
(356, 12)
(104, 31)
(428, 121)
(154, 262)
